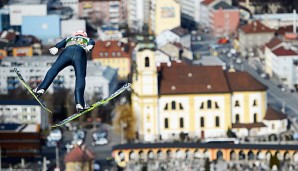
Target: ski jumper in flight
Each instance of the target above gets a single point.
(74, 54)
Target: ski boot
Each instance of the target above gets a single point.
(38, 93)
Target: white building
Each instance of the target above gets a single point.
(137, 14)
(280, 61)
(178, 35)
(190, 10)
(20, 8)
(23, 112)
(274, 21)
(69, 26)
(99, 79)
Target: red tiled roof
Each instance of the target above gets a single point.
(282, 51)
(207, 2)
(79, 154)
(249, 125)
(111, 47)
(256, 27)
(284, 29)
(273, 42)
(272, 114)
(242, 81)
(191, 79)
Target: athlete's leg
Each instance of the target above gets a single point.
(79, 64)
(62, 61)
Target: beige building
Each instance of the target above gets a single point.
(79, 159)
(164, 15)
(200, 101)
(253, 35)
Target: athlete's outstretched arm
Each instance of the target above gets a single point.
(61, 44)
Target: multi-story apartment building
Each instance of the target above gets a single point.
(138, 14)
(201, 101)
(164, 15)
(100, 79)
(114, 54)
(103, 12)
(220, 17)
(23, 112)
(190, 11)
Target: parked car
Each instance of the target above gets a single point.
(100, 137)
(281, 87)
(238, 61)
(265, 76)
(55, 135)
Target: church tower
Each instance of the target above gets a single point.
(145, 91)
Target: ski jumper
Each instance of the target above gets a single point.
(74, 54)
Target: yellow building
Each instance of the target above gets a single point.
(164, 15)
(22, 51)
(79, 158)
(114, 54)
(200, 101)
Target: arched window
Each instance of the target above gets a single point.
(217, 121)
(166, 123)
(173, 105)
(216, 105)
(255, 103)
(209, 104)
(147, 62)
(202, 105)
(255, 118)
(237, 103)
(180, 106)
(166, 107)
(181, 123)
(202, 122)
(237, 118)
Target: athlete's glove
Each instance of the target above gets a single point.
(53, 50)
(89, 48)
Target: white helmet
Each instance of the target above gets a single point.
(80, 32)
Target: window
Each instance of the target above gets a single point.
(100, 54)
(113, 54)
(202, 105)
(209, 104)
(237, 103)
(216, 105)
(147, 63)
(202, 122)
(237, 118)
(181, 123)
(166, 123)
(148, 118)
(180, 106)
(173, 105)
(255, 103)
(106, 54)
(217, 121)
(166, 107)
(255, 118)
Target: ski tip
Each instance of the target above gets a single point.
(55, 126)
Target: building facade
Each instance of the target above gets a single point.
(281, 61)
(23, 112)
(114, 54)
(253, 35)
(164, 15)
(201, 101)
(102, 12)
(138, 14)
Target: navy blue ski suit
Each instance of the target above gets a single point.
(74, 54)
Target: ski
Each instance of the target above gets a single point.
(20, 77)
(95, 105)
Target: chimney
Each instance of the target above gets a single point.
(108, 44)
